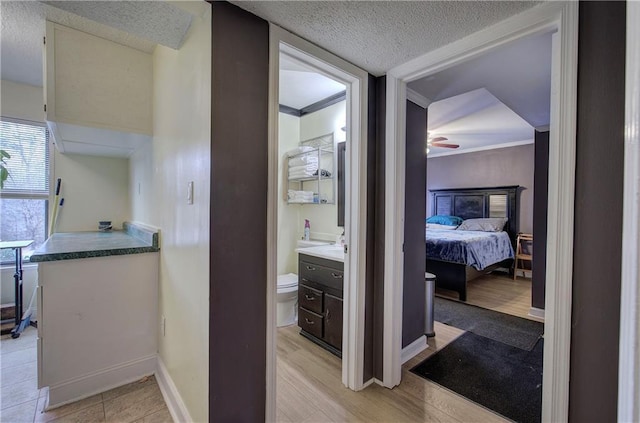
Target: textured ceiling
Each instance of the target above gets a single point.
(518, 74)
(379, 35)
(157, 21)
(23, 26)
(475, 120)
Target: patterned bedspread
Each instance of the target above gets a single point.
(473, 248)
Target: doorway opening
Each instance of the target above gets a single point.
(316, 208)
(562, 20)
(474, 165)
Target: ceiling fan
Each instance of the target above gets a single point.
(438, 142)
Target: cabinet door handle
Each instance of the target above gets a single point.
(327, 314)
(311, 268)
(336, 275)
(309, 322)
(309, 297)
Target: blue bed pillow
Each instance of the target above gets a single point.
(445, 220)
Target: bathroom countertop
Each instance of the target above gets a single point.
(76, 245)
(333, 252)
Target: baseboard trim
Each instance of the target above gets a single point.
(100, 381)
(536, 312)
(378, 382)
(172, 397)
(413, 349)
(367, 383)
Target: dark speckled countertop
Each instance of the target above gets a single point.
(134, 239)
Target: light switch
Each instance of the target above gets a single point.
(190, 193)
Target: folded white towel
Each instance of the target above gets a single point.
(310, 167)
(301, 149)
(301, 175)
(304, 160)
(300, 195)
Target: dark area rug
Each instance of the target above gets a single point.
(510, 330)
(500, 377)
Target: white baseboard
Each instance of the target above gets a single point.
(172, 397)
(100, 381)
(536, 312)
(413, 349)
(369, 382)
(378, 381)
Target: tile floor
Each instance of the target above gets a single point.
(22, 402)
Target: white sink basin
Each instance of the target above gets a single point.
(330, 252)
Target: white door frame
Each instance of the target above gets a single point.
(356, 81)
(561, 17)
(629, 368)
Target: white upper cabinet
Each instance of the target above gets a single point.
(98, 94)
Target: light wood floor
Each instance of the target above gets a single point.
(309, 389)
(498, 291)
(309, 381)
(22, 402)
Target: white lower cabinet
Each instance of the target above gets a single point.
(98, 324)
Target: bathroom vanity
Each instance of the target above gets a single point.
(320, 295)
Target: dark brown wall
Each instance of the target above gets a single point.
(540, 196)
(413, 301)
(237, 338)
(490, 168)
(374, 298)
(378, 314)
(598, 213)
(371, 232)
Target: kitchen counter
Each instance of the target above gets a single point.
(97, 315)
(134, 239)
(330, 252)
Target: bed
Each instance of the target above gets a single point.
(455, 256)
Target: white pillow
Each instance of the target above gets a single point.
(489, 224)
(438, 226)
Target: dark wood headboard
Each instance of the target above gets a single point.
(472, 203)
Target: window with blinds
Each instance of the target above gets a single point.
(498, 205)
(24, 196)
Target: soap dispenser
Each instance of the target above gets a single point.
(307, 230)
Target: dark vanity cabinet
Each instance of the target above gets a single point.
(320, 287)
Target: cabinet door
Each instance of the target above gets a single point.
(333, 320)
(310, 298)
(310, 322)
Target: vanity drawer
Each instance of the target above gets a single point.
(310, 322)
(332, 278)
(310, 299)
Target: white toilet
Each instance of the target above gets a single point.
(287, 298)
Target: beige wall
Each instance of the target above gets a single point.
(288, 215)
(21, 101)
(490, 168)
(323, 217)
(94, 188)
(160, 172)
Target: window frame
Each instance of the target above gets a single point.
(11, 194)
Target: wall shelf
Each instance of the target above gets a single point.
(310, 173)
